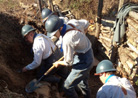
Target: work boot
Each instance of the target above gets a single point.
(60, 85)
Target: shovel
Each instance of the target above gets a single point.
(34, 84)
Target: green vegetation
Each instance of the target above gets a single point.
(137, 80)
(82, 8)
(78, 4)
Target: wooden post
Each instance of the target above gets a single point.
(40, 6)
(51, 5)
(114, 52)
(98, 19)
(121, 2)
(99, 15)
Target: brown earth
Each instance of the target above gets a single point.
(15, 53)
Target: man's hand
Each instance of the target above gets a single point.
(59, 63)
(56, 64)
(24, 69)
(19, 70)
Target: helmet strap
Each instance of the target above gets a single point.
(35, 34)
(109, 78)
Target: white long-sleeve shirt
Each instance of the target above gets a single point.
(81, 24)
(112, 89)
(74, 41)
(42, 48)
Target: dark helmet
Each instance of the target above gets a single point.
(26, 29)
(52, 24)
(46, 13)
(104, 66)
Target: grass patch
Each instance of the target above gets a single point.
(78, 4)
(82, 8)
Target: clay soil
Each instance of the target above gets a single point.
(15, 53)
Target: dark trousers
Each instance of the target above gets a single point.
(79, 75)
(48, 63)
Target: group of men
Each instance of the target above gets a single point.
(68, 38)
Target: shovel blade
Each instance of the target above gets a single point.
(32, 86)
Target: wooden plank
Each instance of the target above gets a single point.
(132, 47)
(133, 23)
(133, 14)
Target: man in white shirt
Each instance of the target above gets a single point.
(74, 43)
(81, 24)
(45, 54)
(46, 13)
(114, 86)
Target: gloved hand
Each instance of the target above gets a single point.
(19, 70)
(24, 69)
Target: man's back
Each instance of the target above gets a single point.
(81, 24)
(117, 87)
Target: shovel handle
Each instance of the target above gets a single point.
(51, 68)
(61, 58)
